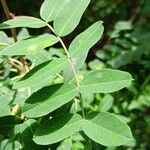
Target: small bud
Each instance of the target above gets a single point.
(15, 110)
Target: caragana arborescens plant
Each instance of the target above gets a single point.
(44, 116)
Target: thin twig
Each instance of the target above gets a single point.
(82, 106)
(17, 67)
(9, 16)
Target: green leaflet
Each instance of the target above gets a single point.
(80, 46)
(48, 99)
(105, 81)
(50, 9)
(69, 17)
(23, 21)
(30, 46)
(107, 129)
(41, 74)
(57, 129)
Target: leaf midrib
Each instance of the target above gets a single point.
(47, 20)
(102, 82)
(90, 122)
(70, 18)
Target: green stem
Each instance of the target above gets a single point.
(7, 13)
(87, 139)
(72, 65)
(81, 105)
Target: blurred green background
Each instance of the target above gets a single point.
(125, 45)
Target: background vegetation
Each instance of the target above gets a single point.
(125, 45)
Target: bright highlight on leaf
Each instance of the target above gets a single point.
(30, 46)
(105, 81)
(3, 45)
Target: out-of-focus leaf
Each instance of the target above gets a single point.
(106, 103)
(96, 65)
(23, 34)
